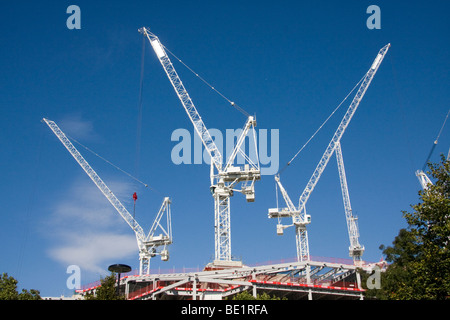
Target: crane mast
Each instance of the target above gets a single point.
(147, 244)
(300, 226)
(222, 183)
(299, 216)
(355, 250)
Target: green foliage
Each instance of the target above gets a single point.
(8, 290)
(245, 295)
(420, 255)
(30, 295)
(106, 291)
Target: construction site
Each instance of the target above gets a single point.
(304, 278)
(295, 280)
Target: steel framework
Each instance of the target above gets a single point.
(293, 280)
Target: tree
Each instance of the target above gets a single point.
(106, 291)
(8, 290)
(245, 295)
(420, 254)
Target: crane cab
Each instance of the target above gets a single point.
(307, 218)
(164, 255)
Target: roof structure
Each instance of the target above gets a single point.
(294, 280)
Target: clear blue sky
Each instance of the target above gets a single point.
(288, 62)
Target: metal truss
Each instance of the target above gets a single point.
(296, 280)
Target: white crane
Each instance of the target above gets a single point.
(299, 217)
(356, 250)
(224, 181)
(149, 245)
(424, 180)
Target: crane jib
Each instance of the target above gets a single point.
(341, 128)
(185, 99)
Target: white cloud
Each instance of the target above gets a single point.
(87, 231)
(91, 251)
(75, 127)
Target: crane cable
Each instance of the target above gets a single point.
(320, 127)
(435, 142)
(440, 131)
(234, 105)
(139, 117)
(110, 163)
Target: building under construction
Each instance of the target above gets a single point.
(306, 280)
(303, 278)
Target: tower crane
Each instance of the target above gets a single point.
(298, 214)
(224, 182)
(149, 245)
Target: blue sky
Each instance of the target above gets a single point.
(288, 62)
